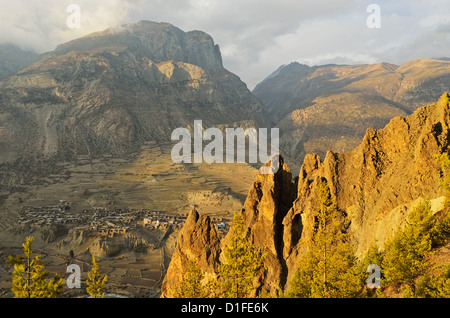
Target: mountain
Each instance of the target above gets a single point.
(110, 92)
(330, 107)
(90, 123)
(13, 59)
(376, 185)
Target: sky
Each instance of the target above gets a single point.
(255, 36)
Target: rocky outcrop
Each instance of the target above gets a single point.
(198, 242)
(392, 166)
(377, 182)
(268, 201)
(376, 185)
(102, 248)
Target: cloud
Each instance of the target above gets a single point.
(41, 25)
(255, 36)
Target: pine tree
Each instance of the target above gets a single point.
(434, 286)
(191, 286)
(95, 282)
(30, 277)
(242, 262)
(407, 255)
(444, 160)
(407, 260)
(329, 268)
(373, 256)
(442, 284)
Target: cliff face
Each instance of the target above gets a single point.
(376, 185)
(392, 166)
(197, 242)
(157, 41)
(268, 201)
(112, 91)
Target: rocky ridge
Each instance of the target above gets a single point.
(329, 107)
(376, 185)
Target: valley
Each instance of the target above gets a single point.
(126, 211)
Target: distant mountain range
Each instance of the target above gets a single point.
(13, 59)
(110, 91)
(330, 107)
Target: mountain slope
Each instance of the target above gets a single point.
(112, 91)
(13, 59)
(329, 107)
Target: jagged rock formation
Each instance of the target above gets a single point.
(390, 168)
(330, 107)
(376, 185)
(268, 201)
(198, 242)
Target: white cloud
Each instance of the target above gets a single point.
(41, 25)
(256, 36)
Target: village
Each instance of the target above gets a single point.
(107, 222)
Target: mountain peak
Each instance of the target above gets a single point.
(138, 27)
(156, 41)
(284, 70)
(291, 67)
(125, 86)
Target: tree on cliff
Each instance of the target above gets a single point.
(444, 160)
(191, 286)
(242, 262)
(95, 282)
(329, 268)
(30, 277)
(407, 254)
(407, 259)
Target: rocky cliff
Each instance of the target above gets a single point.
(376, 185)
(111, 92)
(379, 182)
(197, 242)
